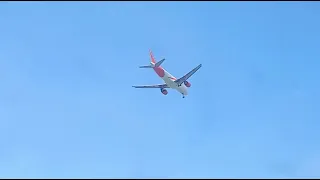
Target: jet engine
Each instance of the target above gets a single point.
(164, 91)
(187, 84)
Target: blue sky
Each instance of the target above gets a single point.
(67, 108)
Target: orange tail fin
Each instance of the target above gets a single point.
(153, 60)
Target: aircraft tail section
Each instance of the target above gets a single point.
(153, 62)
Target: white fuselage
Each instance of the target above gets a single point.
(169, 80)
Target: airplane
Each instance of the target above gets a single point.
(181, 84)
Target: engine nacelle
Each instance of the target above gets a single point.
(187, 84)
(164, 91)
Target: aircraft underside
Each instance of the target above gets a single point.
(181, 84)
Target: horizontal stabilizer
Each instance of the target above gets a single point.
(149, 66)
(159, 63)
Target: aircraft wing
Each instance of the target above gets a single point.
(188, 75)
(153, 86)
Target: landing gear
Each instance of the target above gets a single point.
(182, 96)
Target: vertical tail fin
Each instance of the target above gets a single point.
(152, 63)
(153, 60)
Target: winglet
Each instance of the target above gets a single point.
(153, 60)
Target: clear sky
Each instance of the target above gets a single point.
(67, 108)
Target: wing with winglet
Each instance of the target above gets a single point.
(188, 75)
